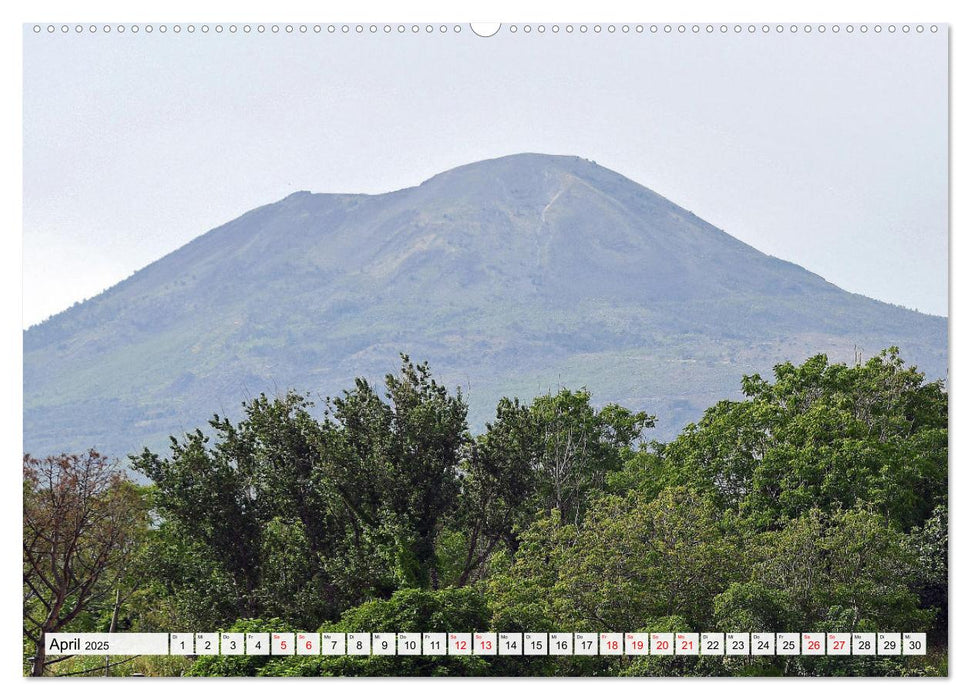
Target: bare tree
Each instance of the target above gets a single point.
(82, 518)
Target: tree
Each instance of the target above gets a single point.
(824, 436)
(847, 571)
(929, 544)
(557, 453)
(261, 520)
(635, 561)
(207, 501)
(519, 588)
(579, 447)
(301, 517)
(498, 496)
(82, 522)
(429, 430)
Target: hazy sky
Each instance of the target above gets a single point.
(826, 150)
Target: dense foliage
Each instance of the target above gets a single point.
(817, 502)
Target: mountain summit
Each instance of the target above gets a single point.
(510, 276)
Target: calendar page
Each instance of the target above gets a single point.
(416, 348)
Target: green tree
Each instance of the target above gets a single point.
(428, 432)
(208, 502)
(635, 560)
(520, 587)
(928, 545)
(822, 436)
(299, 517)
(846, 571)
(579, 447)
(498, 494)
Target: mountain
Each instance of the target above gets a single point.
(510, 276)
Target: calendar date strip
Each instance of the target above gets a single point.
(489, 643)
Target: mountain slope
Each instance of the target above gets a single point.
(511, 276)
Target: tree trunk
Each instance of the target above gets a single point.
(114, 625)
(40, 656)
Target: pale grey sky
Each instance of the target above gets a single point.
(826, 150)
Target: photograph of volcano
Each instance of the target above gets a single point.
(346, 329)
